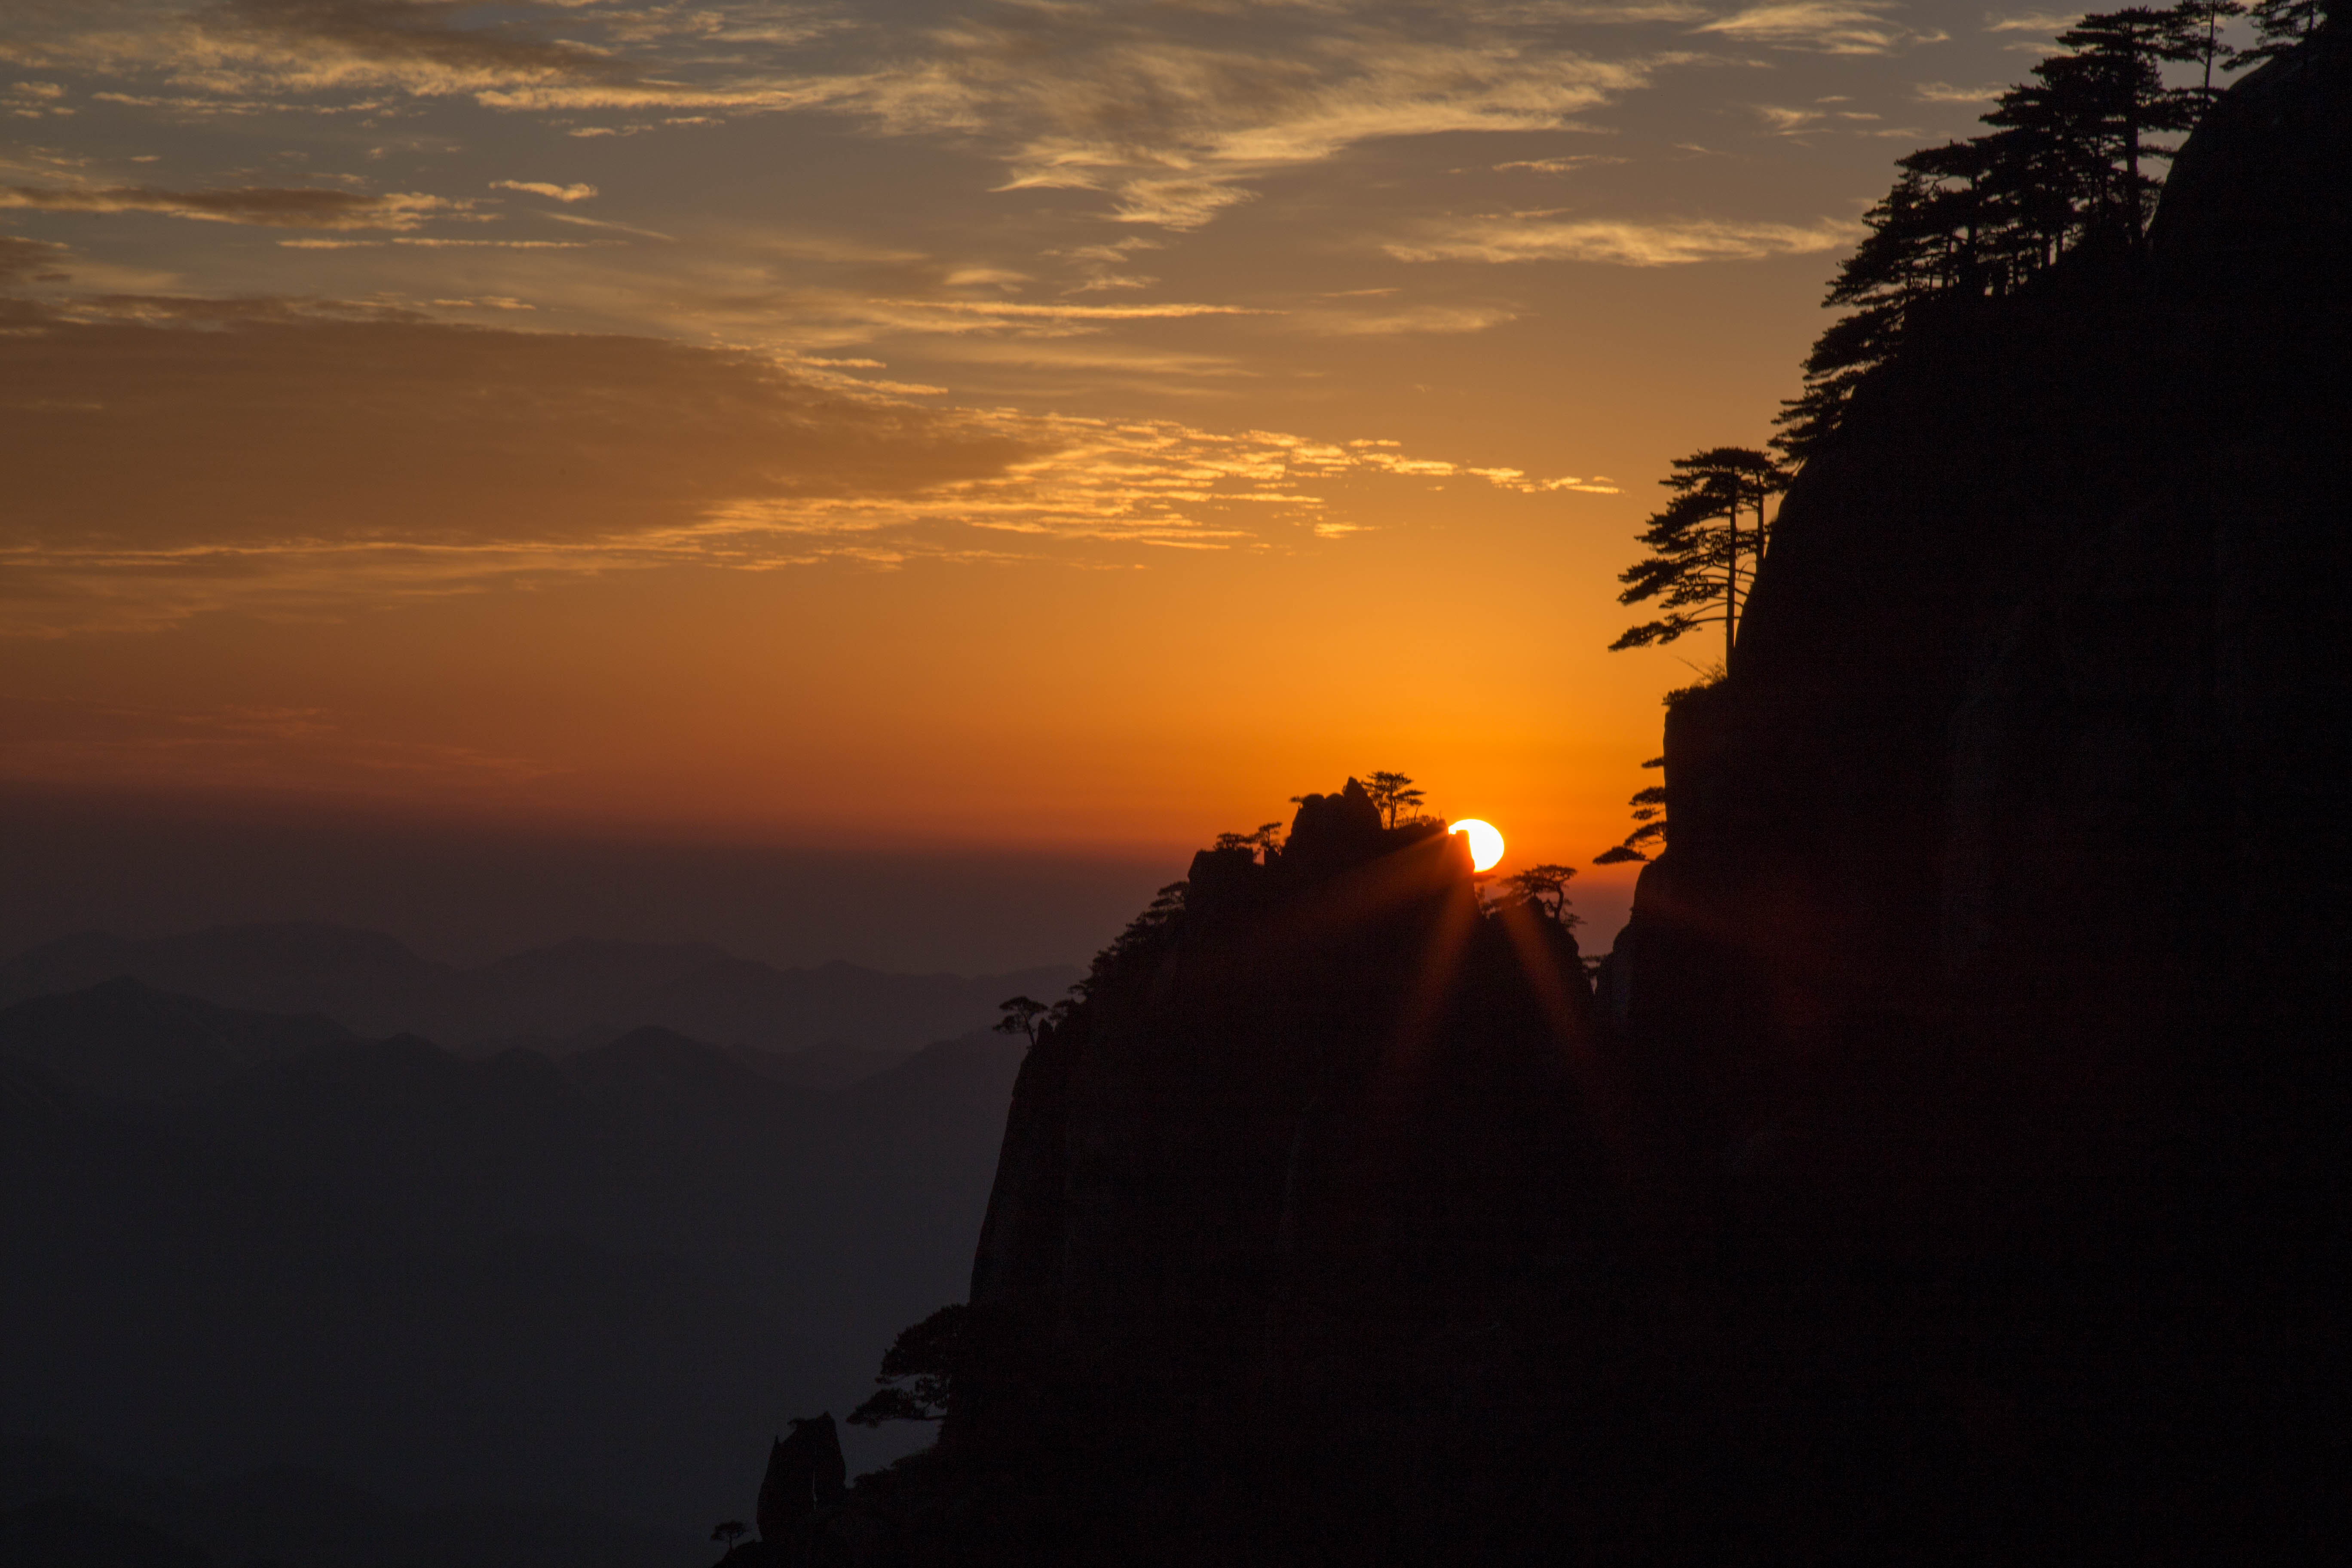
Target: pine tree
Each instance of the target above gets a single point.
(1544, 890)
(1393, 793)
(1909, 251)
(2065, 161)
(1649, 833)
(2199, 22)
(2280, 27)
(1696, 547)
(2119, 57)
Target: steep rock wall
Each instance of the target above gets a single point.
(2027, 738)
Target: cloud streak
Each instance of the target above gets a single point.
(297, 455)
(1625, 242)
(268, 207)
(26, 261)
(552, 192)
(1824, 26)
(1172, 112)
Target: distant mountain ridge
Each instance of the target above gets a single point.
(237, 1239)
(557, 999)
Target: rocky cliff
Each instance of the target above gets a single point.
(1993, 986)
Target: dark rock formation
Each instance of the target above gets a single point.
(1956, 1166)
(1298, 1121)
(1993, 990)
(806, 1473)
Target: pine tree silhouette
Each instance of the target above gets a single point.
(1696, 545)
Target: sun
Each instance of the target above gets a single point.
(1486, 844)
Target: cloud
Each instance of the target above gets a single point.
(1627, 242)
(1173, 117)
(415, 45)
(1825, 27)
(35, 100)
(1001, 310)
(580, 192)
(25, 260)
(1555, 166)
(1782, 121)
(2040, 23)
(1171, 111)
(430, 243)
(169, 457)
(232, 56)
(1412, 318)
(1945, 92)
(295, 454)
(298, 207)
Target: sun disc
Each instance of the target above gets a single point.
(1486, 844)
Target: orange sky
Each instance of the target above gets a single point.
(1079, 425)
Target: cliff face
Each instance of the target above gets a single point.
(2030, 731)
(2001, 950)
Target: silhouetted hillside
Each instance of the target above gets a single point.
(554, 999)
(237, 1240)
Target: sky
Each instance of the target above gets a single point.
(1055, 429)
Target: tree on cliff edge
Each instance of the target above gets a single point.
(920, 1370)
(1543, 889)
(1022, 1016)
(1393, 793)
(1696, 545)
(2281, 25)
(1649, 833)
(2066, 163)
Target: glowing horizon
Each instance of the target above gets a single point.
(983, 426)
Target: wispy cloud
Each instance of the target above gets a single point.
(1825, 118)
(1174, 126)
(297, 208)
(1555, 165)
(305, 457)
(35, 100)
(2041, 24)
(1825, 26)
(576, 193)
(25, 260)
(1409, 319)
(1945, 92)
(1172, 112)
(1625, 242)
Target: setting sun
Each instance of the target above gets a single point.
(1485, 842)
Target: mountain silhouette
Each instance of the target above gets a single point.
(555, 999)
(238, 1239)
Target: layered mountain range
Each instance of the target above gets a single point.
(282, 1288)
(553, 999)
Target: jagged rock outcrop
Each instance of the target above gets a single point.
(1331, 1099)
(805, 1476)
